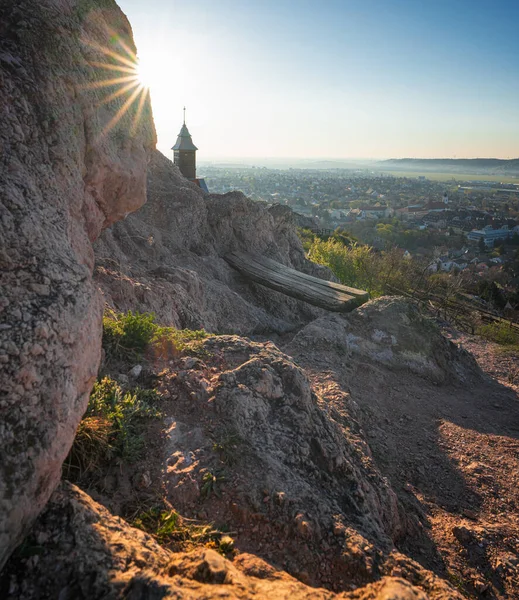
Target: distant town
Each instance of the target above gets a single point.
(459, 224)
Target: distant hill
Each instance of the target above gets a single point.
(490, 166)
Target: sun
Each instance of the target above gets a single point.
(144, 72)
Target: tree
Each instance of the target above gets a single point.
(481, 245)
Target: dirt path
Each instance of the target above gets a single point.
(451, 452)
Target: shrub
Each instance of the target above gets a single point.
(501, 333)
(125, 412)
(307, 237)
(130, 334)
(362, 267)
(111, 427)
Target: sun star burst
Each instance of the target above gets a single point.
(124, 76)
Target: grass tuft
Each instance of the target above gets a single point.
(111, 427)
(129, 335)
(228, 448)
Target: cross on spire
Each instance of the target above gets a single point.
(184, 115)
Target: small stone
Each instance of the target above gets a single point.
(280, 498)
(339, 529)
(470, 514)
(37, 349)
(190, 362)
(462, 534)
(135, 371)
(142, 480)
(303, 526)
(42, 331)
(480, 585)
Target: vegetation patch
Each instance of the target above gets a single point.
(501, 333)
(111, 428)
(361, 266)
(129, 335)
(180, 534)
(211, 483)
(229, 448)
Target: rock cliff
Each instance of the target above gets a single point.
(62, 180)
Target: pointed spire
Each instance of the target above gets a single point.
(184, 141)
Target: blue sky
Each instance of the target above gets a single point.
(330, 78)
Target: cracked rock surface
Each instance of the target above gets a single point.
(63, 178)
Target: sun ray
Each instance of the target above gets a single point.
(121, 42)
(123, 45)
(112, 54)
(110, 82)
(128, 82)
(122, 111)
(119, 92)
(140, 108)
(119, 68)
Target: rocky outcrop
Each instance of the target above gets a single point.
(110, 559)
(168, 258)
(389, 332)
(254, 443)
(64, 176)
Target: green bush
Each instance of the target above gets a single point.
(362, 267)
(130, 334)
(125, 412)
(307, 237)
(501, 333)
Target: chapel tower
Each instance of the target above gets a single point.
(184, 153)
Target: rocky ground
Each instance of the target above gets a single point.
(449, 447)
(369, 448)
(365, 455)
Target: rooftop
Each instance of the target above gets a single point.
(184, 141)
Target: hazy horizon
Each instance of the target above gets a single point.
(343, 78)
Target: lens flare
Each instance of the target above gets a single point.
(125, 80)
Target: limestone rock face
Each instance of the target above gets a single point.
(67, 170)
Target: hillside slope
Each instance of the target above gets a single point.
(359, 456)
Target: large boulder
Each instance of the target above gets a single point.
(71, 164)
